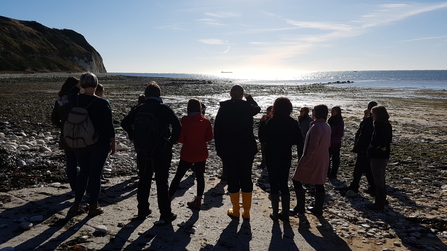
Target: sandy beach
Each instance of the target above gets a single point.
(415, 219)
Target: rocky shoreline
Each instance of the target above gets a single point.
(417, 186)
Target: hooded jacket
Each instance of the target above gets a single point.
(196, 131)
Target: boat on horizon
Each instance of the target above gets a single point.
(226, 72)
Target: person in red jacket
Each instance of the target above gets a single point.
(196, 131)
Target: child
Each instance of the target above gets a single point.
(196, 131)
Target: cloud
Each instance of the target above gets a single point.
(293, 44)
(210, 22)
(319, 25)
(171, 27)
(388, 13)
(223, 14)
(212, 41)
(424, 38)
(227, 50)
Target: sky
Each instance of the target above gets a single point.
(253, 37)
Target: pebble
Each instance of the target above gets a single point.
(26, 225)
(397, 244)
(101, 229)
(407, 180)
(21, 163)
(37, 218)
(22, 219)
(44, 149)
(7, 249)
(351, 194)
(55, 184)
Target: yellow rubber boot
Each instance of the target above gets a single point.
(246, 204)
(235, 211)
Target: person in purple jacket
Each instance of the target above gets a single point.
(337, 128)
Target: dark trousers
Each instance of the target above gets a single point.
(183, 166)
(334, 155)
(71, 168)
(91, 160)
(279, 176)
(159, 164)
(362, 165)
(298, 185)
(378, 167)
(239, 174)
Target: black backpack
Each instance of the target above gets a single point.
(147, 135)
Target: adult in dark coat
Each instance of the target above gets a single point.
(59, 115)
(337, 132)
(159, 161)
(379, 153)
(361, 143)
(279, 134)
(236, 146)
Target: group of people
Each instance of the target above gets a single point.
(318, 141)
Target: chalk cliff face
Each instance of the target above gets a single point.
(28, 46)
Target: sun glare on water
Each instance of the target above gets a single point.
(266, 75)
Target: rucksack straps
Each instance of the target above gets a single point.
(77, 102)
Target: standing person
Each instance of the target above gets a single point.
(361, 143)
(304, 121)
(264, 119)
(100, 93)
(313, 165)
(236, 146)
(337, 132)
(379, 153)
(148, 126)
(196, 131)
(92, 157)
(140, 101)
(59, 115)
(278, 135)
(99, 90)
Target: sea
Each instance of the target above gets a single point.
(403, 79)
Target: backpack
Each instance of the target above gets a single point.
(146, 132)
(79, 131)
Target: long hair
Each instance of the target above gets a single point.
(66, 87)
(194, 105)
(334, 120)
(380, 113)
(282, 107)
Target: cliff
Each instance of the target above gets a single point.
(28, 46)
